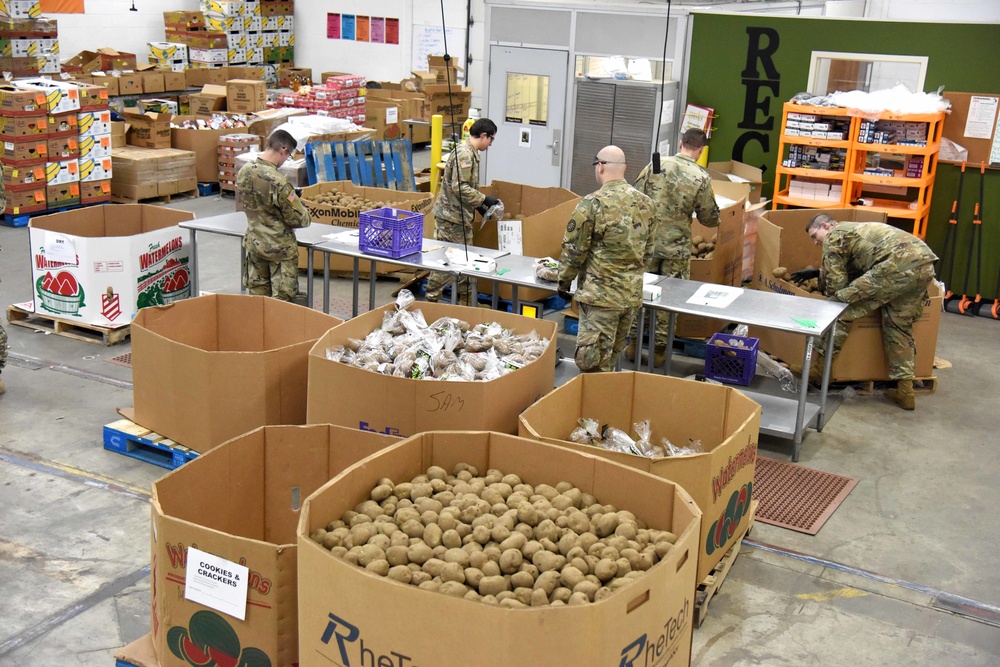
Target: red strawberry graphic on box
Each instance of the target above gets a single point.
(60, 293)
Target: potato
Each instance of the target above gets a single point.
(370, 553)
(400, 573)
(522, 579)
(397, 555)
(493, 585)
(510, 561)
(379, 567)
(606, 569)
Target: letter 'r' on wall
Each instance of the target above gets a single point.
(761, 83)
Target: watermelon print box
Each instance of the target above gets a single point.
(100, 265)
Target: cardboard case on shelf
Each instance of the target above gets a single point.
(782, 241)
(348, 616)
(249, 520)
(725, 421)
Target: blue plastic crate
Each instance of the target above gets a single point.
(732, 363)
(390, 232)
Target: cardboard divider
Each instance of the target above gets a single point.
(782, 241)
(346, 613)
(727, 423)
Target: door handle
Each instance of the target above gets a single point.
(554, 146)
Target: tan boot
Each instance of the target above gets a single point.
(659, 355)
(630, 351)
(902, 395)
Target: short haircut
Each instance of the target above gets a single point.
(483, 126)
(281, 139)
(694, 138)
(817, 220)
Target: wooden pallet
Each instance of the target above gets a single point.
(166, 199)
(927, 385)
(713, 582)
(24, 315)
(126, 437)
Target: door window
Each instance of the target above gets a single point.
(527, 99)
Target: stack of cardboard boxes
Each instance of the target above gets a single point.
(168, 55)
(29, 45)
(231, 145)
(339, 96)
(144, 173)
(205, 42)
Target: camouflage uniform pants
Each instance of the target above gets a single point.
(266, 278)
(452, 232)
(3, 348)
(901, 300)
(602, 336)
(672, 267)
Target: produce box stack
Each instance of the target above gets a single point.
(24, 147)
(143, 173)
(341, 96)
(168, 55)
(207, 45)
(277, 35)
(231, 145)
(29, 44)
(94, 125)
(228, 18)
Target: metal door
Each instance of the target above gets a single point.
(527, 100)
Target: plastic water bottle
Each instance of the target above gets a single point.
(467, 125)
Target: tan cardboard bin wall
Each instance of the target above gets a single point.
(350, 396)
(340, 216)
(727, 422)
(211, 368)
(343, 608)
(204, 144)
(782, 241)
(737, 172)
(240, 502)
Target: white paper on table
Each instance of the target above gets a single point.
(217, 583)
(59, 248)
(350, 236)
(509, 236)
(715, 296)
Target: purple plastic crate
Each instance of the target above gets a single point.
(734, 363)
(390, 232)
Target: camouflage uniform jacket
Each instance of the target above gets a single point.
(607, 242)
(681, 188)
(459, 186)
(273, 211)
(852, 249)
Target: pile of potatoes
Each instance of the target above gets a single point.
(348, 201)
(811, 285)
(702, 248)
(495, 539)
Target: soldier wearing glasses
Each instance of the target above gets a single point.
(273, 211)
(607, 243)
(682, 188)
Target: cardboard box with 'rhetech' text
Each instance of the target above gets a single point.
(726, 422)
(782, 241)
(248, 520)
(355, 397)
(349, 616)
(211, 368)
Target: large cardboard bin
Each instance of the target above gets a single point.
(340, 216)
(350, 396)
(533, 225)
(203, 143)
(727, 422)
(737, 172)
(240, 502)
(348, 616)
(211, 368)
(99, 265)
(782, 241)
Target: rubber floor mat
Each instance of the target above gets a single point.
(121, 360)
(795, 497)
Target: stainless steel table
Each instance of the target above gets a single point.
(235, 224)
(431, 258)
(516, 271)
(812, 318)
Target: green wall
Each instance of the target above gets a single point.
(747, 93)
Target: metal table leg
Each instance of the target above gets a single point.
(639, 330)
(243, 268)
(454, 288)
(668, 358)
(371, 286)
(652, 338)
(827, 365)
(326, 283)
(496, 295)
(800, 414)
(194, 265)
(354, 304)
(309, 277)
(515, 300)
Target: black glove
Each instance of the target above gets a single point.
(490, 201)
(564, 294)
(804, 275)
(482, 208)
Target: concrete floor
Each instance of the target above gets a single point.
(896, 576)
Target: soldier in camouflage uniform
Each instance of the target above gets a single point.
(459, 199)
(607, 243)
(682, 188)
(3, 332)
(871, 265)
(273, 211)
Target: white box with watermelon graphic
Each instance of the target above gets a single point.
(99, 265)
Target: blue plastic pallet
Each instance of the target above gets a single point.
(126, 437)
(21, 219)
